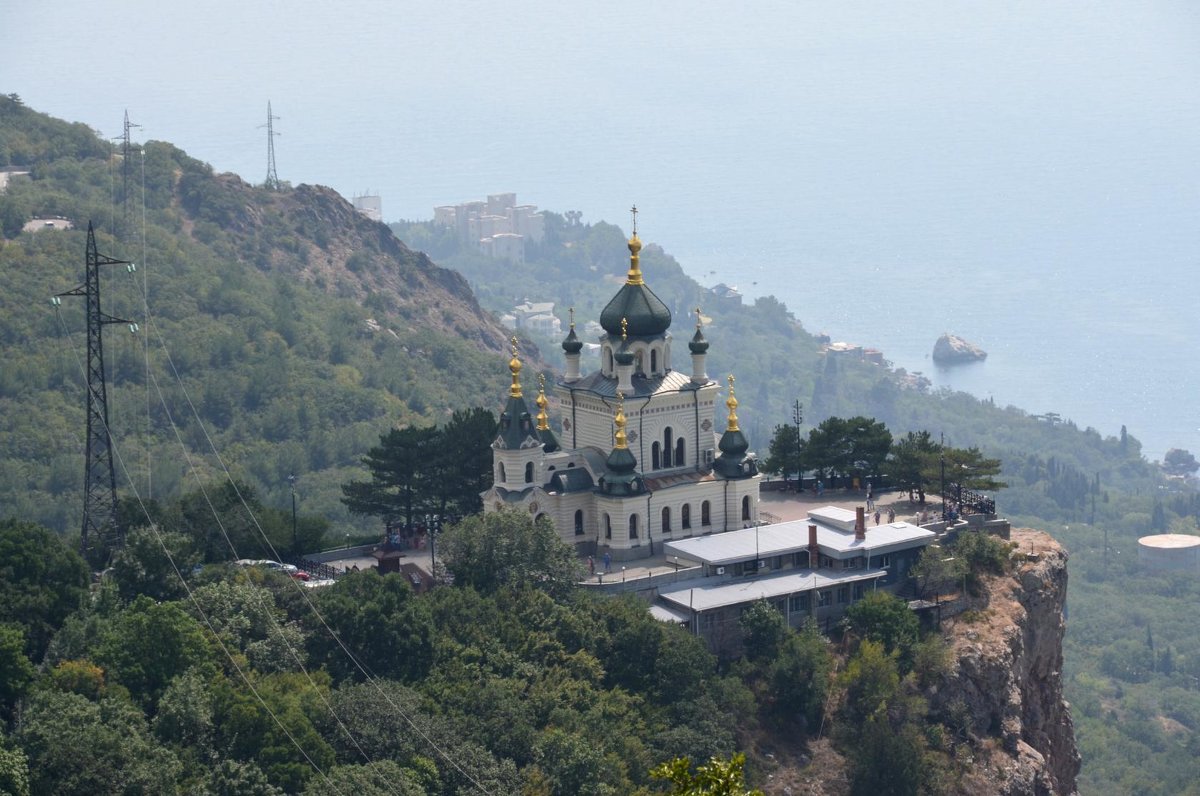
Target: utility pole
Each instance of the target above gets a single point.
(100, 533)
(295, 543)
(272, 182)
(798, 417)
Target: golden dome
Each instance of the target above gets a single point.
(514, 366)
(732, 404)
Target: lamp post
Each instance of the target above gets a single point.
(943, 490)
(295, 543)
(798, 417)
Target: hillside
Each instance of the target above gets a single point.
(298, 329)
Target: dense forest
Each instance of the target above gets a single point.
(283, 334)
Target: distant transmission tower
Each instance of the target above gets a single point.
(272, 183)
(100, 534)
(125, 149)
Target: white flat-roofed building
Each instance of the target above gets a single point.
(808, 569)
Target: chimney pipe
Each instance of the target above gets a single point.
(814, 552)
(860, 523)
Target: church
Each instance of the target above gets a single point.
(638, 461)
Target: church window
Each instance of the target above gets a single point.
(607, 527)
(655, 456)
(667, 444)
(679, 460)
(500, 472)
(654, 360)
(666, 519)
(685, 516)
(746, 507)
(705, 513)
(529, 473)
(579, 522)
(633, 529)
(608, 355)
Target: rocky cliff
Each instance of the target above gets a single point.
(952, 350)
(1006, 682)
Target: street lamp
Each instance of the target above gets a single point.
(295, 544)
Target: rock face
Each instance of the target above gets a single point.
(1008, 677)
(951, 350)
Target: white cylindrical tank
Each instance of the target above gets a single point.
(1170, 551)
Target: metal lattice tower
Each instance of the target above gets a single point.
(125, 150)
(100, 533)
(272, 183)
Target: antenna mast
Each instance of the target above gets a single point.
(100, 533)
(272, 183)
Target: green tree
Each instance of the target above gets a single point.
(855, 446)
(75, 745)
(799, 676)
(400, 466)
(885, 760)
(153, 563)
(150, 643)
(42, 581)
(462, 464)
(763, 631)
(715, 778)
(508, 547)
(912, 462)
(380, 778)
(1179, 462)
(885, 618)
(16, 670)
(380, 619)
(14, 772)
(871, 680)
(937, 569)
(785, 452)
(970, 468)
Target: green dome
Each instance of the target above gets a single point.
(572, 345)
(645, 312)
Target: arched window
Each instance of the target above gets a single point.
(654, 360)
(666, 519)
(746, 507)
(540, 514)
(500, 472)
(667, 445)
(685, 516)
(579, 522)
(633, 529)
(655, 455)
(607, 527)
(608, 355)
(639, 368)
(679, 459)
(529, 472)
(705, 516)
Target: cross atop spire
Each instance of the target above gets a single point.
(633, 210)
(571, 314)
(698, 318)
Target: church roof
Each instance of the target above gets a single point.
(573, 479)
(645, 312)
(643, 386)
(516, 426)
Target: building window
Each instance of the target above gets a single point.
(633, 529)
(607, 527)
(849, 563)
(707, 620)
(799, 603)
(529, 472)
(500, 472)
(655, 456)
(685, 516)
(843, 595)
(609, 358)
(666, 519)
(746, 507)
(653, 360)
(800, 559)
(824, 598)
(679, 457)
(883, 562)
(705, 514)
(666, 450)
(858, 590)
(579, 522)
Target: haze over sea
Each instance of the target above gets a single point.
(1025, 175)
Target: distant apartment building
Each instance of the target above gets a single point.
(535, 317)
(499, 226)
(369, 206)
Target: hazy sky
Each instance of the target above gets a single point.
(1038, 160)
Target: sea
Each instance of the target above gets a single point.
(1024, 175)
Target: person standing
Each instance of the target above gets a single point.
(608, 562)
(591, 566)
(891, 514)
(877, 516)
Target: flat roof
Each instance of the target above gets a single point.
(789, 537)
(705, 594)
